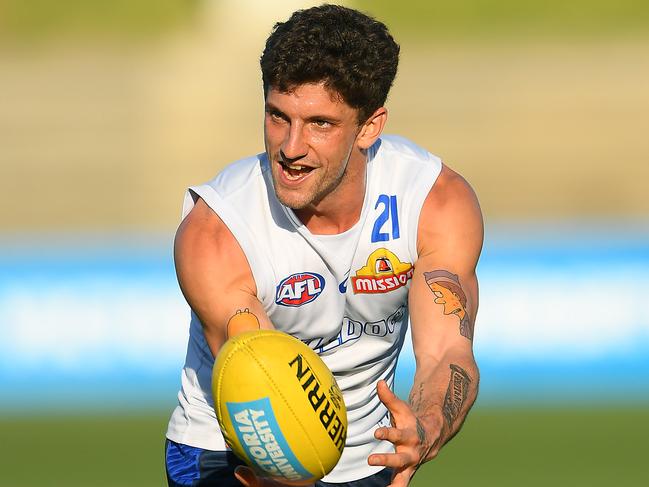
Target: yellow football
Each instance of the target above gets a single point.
(279, 407)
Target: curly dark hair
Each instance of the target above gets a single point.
(352, 53)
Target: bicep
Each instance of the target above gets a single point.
(443, 306)
(444, 291)
(214, 274)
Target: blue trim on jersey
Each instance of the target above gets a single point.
(182, 463)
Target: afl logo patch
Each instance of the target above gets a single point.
(299, 289)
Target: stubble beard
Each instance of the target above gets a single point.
(303, 198)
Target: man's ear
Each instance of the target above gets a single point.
(372, 128)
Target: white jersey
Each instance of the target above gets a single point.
(344, 295)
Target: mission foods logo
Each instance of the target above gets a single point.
(299, 289)
(382, 273)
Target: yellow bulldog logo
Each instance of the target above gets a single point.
(382, 273)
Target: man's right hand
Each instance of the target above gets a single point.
(248, 478)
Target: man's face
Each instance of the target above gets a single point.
(310, 135)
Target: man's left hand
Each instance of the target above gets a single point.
(413, 444)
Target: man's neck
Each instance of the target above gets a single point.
(330, 223)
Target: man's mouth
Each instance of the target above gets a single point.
(294, 172)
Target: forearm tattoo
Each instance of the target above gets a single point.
(421, 432)
(416, 398)
(458, 388)
(448, 292)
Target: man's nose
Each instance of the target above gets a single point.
(294, 146)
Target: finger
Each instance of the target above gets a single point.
(402, 477)
(246, 476)
(391, 401)
(393, 435)
(395, 460)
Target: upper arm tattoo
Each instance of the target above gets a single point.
(448, 292)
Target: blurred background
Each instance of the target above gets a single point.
(109, 110)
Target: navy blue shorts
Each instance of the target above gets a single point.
(195, 467)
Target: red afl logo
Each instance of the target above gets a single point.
(299, 289)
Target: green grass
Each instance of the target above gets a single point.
(592, 447)
(511, 18)
(553, 447)
(42, 20)
(35, 20)
(111, 451)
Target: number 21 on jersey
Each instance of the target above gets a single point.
(386, 225)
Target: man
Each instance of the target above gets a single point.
(382, 226)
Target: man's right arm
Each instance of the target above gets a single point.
(214, 275)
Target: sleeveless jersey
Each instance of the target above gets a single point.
(345, 295)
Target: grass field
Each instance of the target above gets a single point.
(519, 447)
(47, 19)
(43, 20)
(471, 19)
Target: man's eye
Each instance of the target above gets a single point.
(322, 123)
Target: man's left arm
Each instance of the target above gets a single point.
(443, 302)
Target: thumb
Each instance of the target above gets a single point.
(246, 476)
(387, 397)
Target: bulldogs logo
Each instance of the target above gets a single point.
(299, 289)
